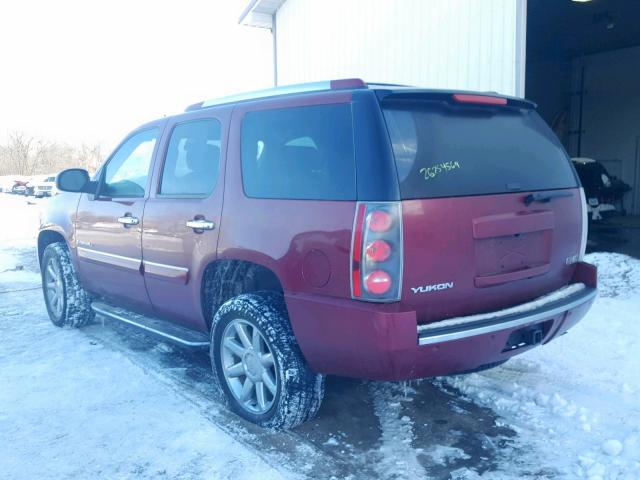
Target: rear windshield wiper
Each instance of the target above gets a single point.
(544, 197)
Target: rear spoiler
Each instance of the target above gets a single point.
(453, 98)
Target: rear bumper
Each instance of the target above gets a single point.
(357, 339)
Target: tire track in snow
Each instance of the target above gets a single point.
(398, 458)
(187, 373)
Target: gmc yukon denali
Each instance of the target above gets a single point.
(337, 228)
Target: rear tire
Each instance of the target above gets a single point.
(68, 304)
(258, 365)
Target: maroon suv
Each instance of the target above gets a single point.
(370, 231)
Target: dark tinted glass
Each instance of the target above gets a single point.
(299, 153)
(444, 151)
(193, 158)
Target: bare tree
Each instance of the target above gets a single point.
(17, 154)
(27, 156)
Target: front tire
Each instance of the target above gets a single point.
(68, 304)
(258, 365)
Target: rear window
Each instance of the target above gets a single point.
(444, 151)
(299, 153)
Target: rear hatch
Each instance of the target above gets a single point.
(492, 212)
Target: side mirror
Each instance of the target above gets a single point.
(74, 180)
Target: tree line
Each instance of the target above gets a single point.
(25, 155)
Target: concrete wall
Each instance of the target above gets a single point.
(464, 44)
(611, 115)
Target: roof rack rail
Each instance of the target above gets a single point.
(340, 84)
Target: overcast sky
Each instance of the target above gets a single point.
(90, 71)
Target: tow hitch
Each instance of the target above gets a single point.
(527, 336)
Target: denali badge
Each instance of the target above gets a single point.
(432, 288)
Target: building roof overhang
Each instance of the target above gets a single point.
(259, 13)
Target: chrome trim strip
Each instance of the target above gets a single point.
(458, 332)
(129, 321)
(112, 259)
(166, 272)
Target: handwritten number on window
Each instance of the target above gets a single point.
(435, 170)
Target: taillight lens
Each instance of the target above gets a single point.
(378, 282)
(379, 221)
(376, 252)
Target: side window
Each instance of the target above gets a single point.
(299, 153)
(193, 159)
(125, 175)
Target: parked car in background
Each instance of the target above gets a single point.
(367, 231)
(604, 193)
(46, 187)
(19, 188)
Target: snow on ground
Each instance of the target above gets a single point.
(84, 404)
(577, 399)
(72, 408)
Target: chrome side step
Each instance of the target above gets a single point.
(169, 331)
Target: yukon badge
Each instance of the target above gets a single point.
(432, 288)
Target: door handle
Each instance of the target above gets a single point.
(200, 224)
(128, 220)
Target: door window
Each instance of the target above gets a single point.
(193, 159)
(299, 153)
(126, 173)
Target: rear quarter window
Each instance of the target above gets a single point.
(443, 151)
(299, 153)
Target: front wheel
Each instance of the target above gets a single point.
(68, 304)
(258, 365)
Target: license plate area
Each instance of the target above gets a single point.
(528, 336)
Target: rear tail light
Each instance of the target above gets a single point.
(378, 282)
(376, 252)
(479, 99)
(585, 225)
(379, 221)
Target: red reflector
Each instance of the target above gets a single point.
(378, 282)
(380, 221)
(378, 250)
(479, 99)
(356, 268)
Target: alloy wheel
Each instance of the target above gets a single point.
(249, 366)
(53, 287)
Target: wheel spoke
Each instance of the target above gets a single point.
(242, 335)
(255, 340)
(234, 346)
(52, 273)
(262, 401)
(235, 370)
(266, 359)
(271, 384)
(56, 270)
(247, 388)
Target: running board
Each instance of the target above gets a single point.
(169, 331)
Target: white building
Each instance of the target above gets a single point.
(578, 59)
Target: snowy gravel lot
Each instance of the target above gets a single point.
(109, 402)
